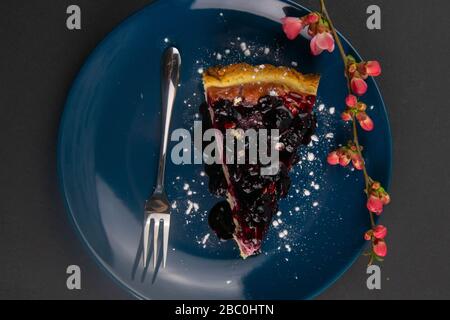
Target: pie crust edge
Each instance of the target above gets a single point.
(243, 73)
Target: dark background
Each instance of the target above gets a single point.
(39, 58)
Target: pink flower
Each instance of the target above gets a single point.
(364, 121)
(375, 186)
(375, 205)
(312, 18)
(380, 248)
(361, 106)
(372, 68)
(357, 162)
(380, 232)
(346, 116)
(333, 158)
(346, 154)
(320, 42)
(359, 86)
(385, 198)
(344, 159)
(292, 27)
(351, 101)
(352, 69)
(378, 197)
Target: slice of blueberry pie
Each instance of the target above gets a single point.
(241, 96)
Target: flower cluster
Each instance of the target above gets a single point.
(376, 235)
(359, 72)
(377, 198)
(324, 37)
(346, 154)
(357, 109)
(318, 29)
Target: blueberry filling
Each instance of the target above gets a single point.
(221, 221)
(255, 196)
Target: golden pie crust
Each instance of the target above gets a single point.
(256, 81)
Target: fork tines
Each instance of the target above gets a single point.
(156, 217)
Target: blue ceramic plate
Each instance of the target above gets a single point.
(109, 143)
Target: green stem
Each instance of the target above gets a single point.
(333, 30)
(370, 260)
(337, 40)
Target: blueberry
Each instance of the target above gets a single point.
(225, 115)
(217, 182)
(291, 140)
(283, 118)
(254, 170)
(221, 221)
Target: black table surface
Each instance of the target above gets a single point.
(39, 58)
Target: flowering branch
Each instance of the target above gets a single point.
(324, 37)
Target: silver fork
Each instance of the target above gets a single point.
(157, 207)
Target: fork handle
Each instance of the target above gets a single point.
(171, 63)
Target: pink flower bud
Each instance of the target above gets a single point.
(359, 86)
(380, 248)
(364, 121)
(368, 235)
(344, 160)
(380, 232)
(346, 116)
(373, 68)
(292, 27)
(385, 198)
(320, 42)
(375, 205)
(351, 101)
(361, 106)
(312, 18)
(333, 158)
(352, 68)
(376, 185)
(357, 162)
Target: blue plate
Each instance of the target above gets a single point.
(109, 143)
